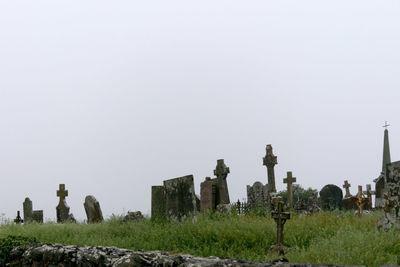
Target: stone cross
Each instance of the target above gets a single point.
(347, 186)
(222, 171)
(18, 219)
(62, 193)
(360, 200)
(386, 125)
(270, 160)
(280, 218)
(369, 194)
(289, 180)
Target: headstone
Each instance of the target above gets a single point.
(158, 201)
(391, 203)
(360, 200)
(313, 205)
(208, 191)
(31, 215)
(62, 208)
(222, 171)
(369, 194)
(270, 160)
(180, 197)
(331, 197)
(280, 218)
(18, 219)
(289, 180)
(28, 210)
(257, 196)
(93, 210)
(346, 186)
(133, 216)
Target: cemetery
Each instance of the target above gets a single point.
(294, 227)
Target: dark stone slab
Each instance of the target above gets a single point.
(158, 201)
(93, 210)
(331, 197)
(257, 196)
(208, 190)
(348, 204)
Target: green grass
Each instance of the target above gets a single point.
(330, 237)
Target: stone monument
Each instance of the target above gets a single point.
(270, 160)
(208, 193)
(222, 171)
(257, 196)
(289, 180)
(62, 208)
(31, 215)
(331, 197)
(158, 201)
(280, 218)
(93, 210)
(381, 180)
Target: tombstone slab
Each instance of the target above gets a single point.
(208, 191)
(62, 208)
(257, 196)
(37, 216)
(180, 197)
(158, 201)
(28, 210)
(222, 171)
(331, 197)
(93, 210)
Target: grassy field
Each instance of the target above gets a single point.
(330, 237)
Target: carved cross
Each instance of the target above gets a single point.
(221, 171)
(360, 200)
(386, 125)
(18, 219)
(347, 186)
(280, 218)
(369, 194)
(289, 180)
(62, 193)
(270, 160)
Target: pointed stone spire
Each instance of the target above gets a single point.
(386, 149)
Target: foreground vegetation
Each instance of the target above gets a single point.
(329, 237)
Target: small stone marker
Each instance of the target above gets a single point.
(257, 196)
(208, 192)
(280, 218)
(93, 210)
(158, 201)
(289, 180)
(270, 160)
(369, 194)
(18, 219)
(346, 186)
(222, 171)
(62, 207)
(360, 200)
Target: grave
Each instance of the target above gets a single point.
(270, 160)
(331, 197)
(158, 201)
(346, 186)
(257, 196)
(289, 180)
(391, 198)
(347, 202)
(18, 219)
(208, 191)
(62, 209)
(31, 215)
(180, 199)
(280, 218)
(221, 172)
(369, 193)
(360, 200)
(93, 210)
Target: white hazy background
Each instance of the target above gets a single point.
(112, 97)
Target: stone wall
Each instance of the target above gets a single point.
(65, 256)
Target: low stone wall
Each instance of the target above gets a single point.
(53, 255)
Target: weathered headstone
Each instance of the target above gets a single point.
(369, 194)
(18, 219)
(346, 186)
(222, 171)
(180, 197)
(280, 218)
(360, 200)
(331, 197)
(257, 196)
(31, 215)
(289, 180)
(133, 216)
(158, 201)
(391, 203)
(270, 160)
(93, 210)
(62, 208)
(208, 191)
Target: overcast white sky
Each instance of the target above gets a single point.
(112, 97)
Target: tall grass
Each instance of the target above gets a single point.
(329, 237)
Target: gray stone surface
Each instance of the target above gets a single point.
(62, 209)
(221, 172)
(158, 201)
(270, 160)
(133, 216)
(391, 199)
(93, 210)
(289, 180)
(347, 186)
(37, 216)
(257, 196)
(180, 197)
(331, 197)
(208, 194)
(61, 255)
(31, 215)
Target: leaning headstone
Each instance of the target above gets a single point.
(270, 160)
(62, 208)
(391, 203)
(180, 197)
(208, 191)
(222, 171)
(331, 197)
(28, 210)
(93, 210)
(158, 201)
(257, 196)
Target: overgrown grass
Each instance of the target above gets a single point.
(329, 237)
